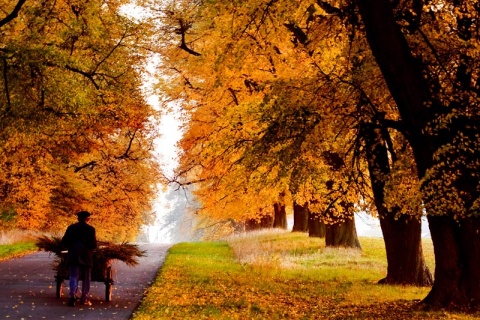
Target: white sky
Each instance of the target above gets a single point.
(170, 134)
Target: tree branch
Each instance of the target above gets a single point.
(182, 30)
(86, 165)
(125, 155)
(12, 14)
(87, 75)
(328, 8)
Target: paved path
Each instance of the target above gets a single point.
(27, 288)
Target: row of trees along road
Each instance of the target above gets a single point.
(75, 130)
(336, 106)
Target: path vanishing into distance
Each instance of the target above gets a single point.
(28, 288)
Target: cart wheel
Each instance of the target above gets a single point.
(59, 288)
(108, 284)
(108, 292)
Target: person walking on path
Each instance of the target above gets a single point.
(80, 240)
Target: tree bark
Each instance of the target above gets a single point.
(401, 234)
(342, 234)
(316, 228)
(252, 224)
(456, 243)
(457, 260)
(406, 264)
(280, 216)
(300, 218)
(265, 222)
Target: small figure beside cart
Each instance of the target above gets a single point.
(86, 259)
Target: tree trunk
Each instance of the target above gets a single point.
(403, 244)
(300, 218)
(456, 244)
(280, 216)
(265, 222)
(342, 234)
(252, 224)
(402, 235)
(316, 228)
(457, 258)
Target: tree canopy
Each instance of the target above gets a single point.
(273, 94)
(279, 95)
(76, 131)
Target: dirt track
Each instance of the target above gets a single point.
(27, 288)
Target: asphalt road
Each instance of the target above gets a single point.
(27, 288)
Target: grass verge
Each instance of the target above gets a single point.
(8, 251)
(280, 276)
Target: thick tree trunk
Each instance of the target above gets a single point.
(280, 216)
(402, 235)
(342, 234)
(457, 258)
(300, 218)
(316, 228)
(456, 244)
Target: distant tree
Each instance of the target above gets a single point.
(300, 218)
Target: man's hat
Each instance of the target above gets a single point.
(83, 214)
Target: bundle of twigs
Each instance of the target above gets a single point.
(106, 251)
(50, 244)
(126, 252)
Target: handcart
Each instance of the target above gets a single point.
(103, 256)
(102, 271)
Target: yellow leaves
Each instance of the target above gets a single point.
(208, 280)
(78, 132)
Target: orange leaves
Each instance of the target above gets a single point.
(77, 133)
(254, 101)
(203, 280)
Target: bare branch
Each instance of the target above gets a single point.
(90, 164)
(12, 14)
(125, 155)
(87, 75)
(182, 30)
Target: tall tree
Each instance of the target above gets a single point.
(76, 130)
(406, 264)
(443, 133)
(259, 121)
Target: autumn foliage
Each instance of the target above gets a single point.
(299, 98)
(76, 132)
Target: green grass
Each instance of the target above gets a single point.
(280, 276)
(16, 249)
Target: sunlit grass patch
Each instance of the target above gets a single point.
(14, 243)
(279, 275)
(16, 249)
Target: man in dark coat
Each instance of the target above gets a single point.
(80, 240)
